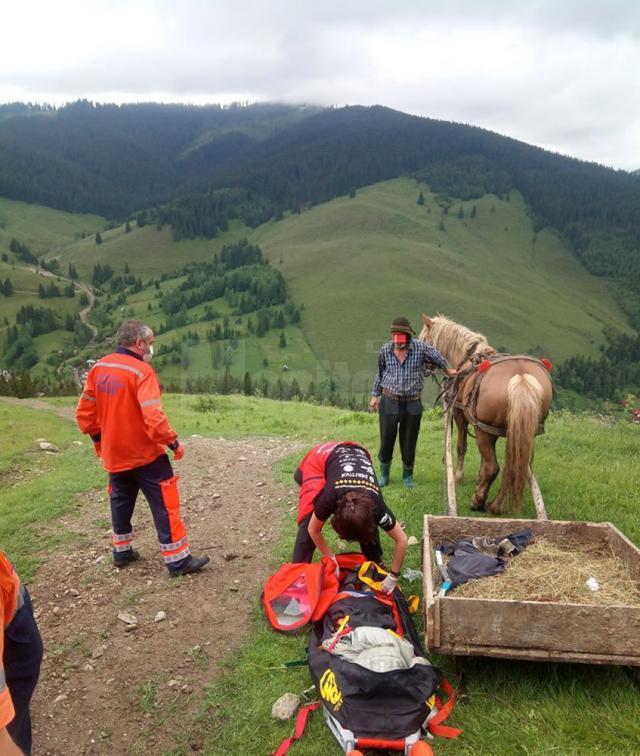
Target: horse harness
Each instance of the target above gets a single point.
(480, 364)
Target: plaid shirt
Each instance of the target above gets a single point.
(406, 378)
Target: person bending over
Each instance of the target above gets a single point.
(337, 481)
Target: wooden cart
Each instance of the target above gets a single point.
(532, 630)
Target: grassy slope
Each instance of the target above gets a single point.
(510, 707)
(147, 251)
(251, 352)
(42, 228)
(150, 253)
(25, 285)
(356, 263)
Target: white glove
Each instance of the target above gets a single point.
(335, 561)
(389, 584)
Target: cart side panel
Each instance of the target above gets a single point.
(537, 654)
(578, 628)
(624, 550)
(427, 586)
(454, 528)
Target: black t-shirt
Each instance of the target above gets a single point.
(349, 468)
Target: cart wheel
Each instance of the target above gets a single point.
(421, 749)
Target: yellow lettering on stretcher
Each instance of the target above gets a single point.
(329, 689)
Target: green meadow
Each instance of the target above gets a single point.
(357, 263)
(147, 251)
(352, 265)
(43, 229)
(586, 467)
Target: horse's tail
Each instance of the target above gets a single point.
(524, 404)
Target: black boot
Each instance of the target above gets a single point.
(124, 558)
(193, 564)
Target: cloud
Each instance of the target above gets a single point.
(562, 75)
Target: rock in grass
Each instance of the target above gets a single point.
(47, 446)
(412, 541)
(285, 707)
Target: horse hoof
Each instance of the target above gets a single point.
(459, 477)
(495, 508)
(476, 506)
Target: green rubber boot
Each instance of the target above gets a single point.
(385, 471)
(407, 477)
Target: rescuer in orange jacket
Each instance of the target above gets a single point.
(120, 409)
(20, 658)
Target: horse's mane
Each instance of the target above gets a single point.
(455, 340)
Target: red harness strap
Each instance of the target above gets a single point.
(298, 730)
(435, 725)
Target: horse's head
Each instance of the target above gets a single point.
(432, 332)
(426, 327)
(451, 338)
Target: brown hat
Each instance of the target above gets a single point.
(402, 325)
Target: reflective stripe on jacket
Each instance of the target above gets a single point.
(11, 599)
(311, 477)
(120, 404)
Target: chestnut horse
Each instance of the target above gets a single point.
(512, 398)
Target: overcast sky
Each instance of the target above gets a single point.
(561, 74)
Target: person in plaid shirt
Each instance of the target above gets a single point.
(403, 364)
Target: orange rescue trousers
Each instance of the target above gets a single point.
(159, 485)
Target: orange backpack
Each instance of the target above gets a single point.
(299, 593)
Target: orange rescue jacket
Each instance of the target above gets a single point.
(120, 407)
(11, 599)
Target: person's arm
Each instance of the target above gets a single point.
(315, 531)
(376, 389)
(435, 358)
(7, 746)
(156, 423)
(87, 413)
(399, 548)
(7, 712)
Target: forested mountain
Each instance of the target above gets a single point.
(115, 160)
(596, 208)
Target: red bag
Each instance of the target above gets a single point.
(299, 593)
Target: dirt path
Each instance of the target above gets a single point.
(107, 690)
(68, 413)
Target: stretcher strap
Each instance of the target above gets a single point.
(298, 731)
(435, 725)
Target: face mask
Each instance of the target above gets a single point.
(148, 356)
